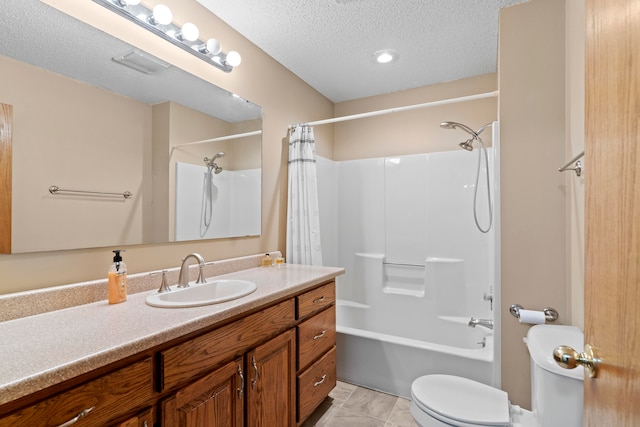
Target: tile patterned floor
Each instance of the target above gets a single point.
(354, 406)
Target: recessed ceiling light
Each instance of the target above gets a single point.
(385, 56)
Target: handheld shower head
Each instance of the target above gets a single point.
(211, 163)
(456, 125)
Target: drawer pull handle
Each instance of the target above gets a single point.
(317, 383)
(78, 417)
(241, 389)
(317, 300)
(255, 368)
(321, 335)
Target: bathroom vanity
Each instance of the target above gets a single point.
(258, 360)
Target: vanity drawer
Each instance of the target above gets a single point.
(315, 383)
(199, 355)
(316, 299)
(102, 400)
(315, 336)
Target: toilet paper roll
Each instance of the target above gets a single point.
(531, 316)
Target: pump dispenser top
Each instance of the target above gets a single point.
(117, 279)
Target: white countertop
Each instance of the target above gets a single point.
(46, 349)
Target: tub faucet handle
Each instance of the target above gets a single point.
(488, 297)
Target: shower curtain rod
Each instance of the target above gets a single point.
(399, 109)
(222, 138)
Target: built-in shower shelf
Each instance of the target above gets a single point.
(403, 291)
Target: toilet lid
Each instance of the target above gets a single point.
(461, 401)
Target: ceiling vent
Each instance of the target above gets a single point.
(142, 62)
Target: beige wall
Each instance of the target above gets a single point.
(414, 131)
(531, 78)
(575, 14)
(58, 141)
(285, 99)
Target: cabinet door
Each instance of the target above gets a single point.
(271, 383)
(143, 419)
(216, 400)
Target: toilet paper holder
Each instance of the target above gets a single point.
(550, 314)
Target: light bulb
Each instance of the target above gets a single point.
(189, 32)
(233, 58)
(161, 15)
(212, 46)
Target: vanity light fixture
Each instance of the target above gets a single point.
(159, 21)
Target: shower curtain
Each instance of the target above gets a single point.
(303, 216)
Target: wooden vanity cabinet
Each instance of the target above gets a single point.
(316, 355)
(261, 380)
(271, 383)
(142, 419)
(269, 368)
(98, 402)
(215, 400)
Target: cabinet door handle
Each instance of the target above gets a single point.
(317, 300)
(317, 383)
(255, 368)
(320, 335)
(78, 417)
(241, 389)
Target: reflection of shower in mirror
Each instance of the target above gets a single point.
(208, 191)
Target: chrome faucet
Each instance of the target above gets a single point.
(487, 323)
(183, 279)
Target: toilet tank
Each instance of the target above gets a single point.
(557, 397)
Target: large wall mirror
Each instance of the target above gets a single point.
(93, 115)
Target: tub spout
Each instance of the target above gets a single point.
(487, 323)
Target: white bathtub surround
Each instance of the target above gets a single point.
(303, 216)
(235, 206)
(417, 268)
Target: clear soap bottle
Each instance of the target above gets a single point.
(117, 279)
(266, 261)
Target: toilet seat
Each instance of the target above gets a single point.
(460, 401)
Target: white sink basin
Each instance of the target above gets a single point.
(212, 292)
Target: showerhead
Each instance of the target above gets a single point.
(467, 145)
(456, 125)
(211, 163)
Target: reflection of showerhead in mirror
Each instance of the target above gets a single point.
(211, 163)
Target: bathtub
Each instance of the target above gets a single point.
(390, 360)
(416, 267)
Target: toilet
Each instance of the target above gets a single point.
(556, 393)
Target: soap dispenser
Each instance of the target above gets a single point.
(117, 279)
(266, 261)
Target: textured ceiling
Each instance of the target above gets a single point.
(330, 43)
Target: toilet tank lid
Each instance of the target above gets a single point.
(543, 339)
